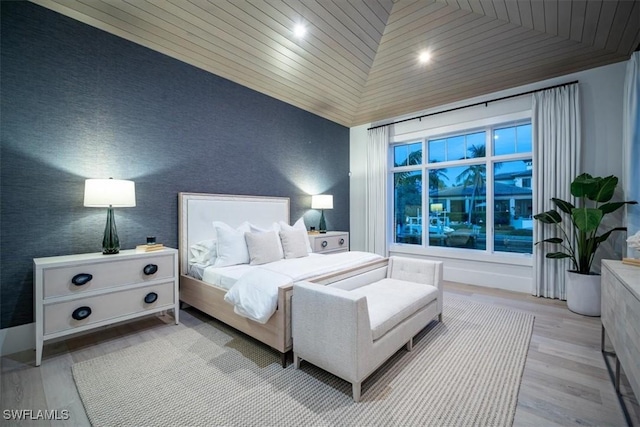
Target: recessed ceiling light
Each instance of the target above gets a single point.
(299, 31)
(424, 57)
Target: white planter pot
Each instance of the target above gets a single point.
(583, 293)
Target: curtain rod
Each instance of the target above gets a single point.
(485, 103)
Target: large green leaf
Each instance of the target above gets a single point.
(584, 185)
(611, 207)
(562, 205)
(551, 240)
(549, 217)
(614, 206)
(557, 255)
(586, 219)
(606, 189)
(606, 235)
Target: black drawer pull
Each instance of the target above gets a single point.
(342, 241)
(150, 269)
(81, 313)
(151, 297)
(324, 243)
(81, 279)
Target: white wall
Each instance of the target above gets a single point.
(601, 92)
(17, 338)
(602, 95)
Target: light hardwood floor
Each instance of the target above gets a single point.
(565, 380)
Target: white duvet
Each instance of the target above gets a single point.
(255, 292)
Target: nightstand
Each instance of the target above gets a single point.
(329, 242)
(76, 293)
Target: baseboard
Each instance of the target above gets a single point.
(507, 281)
(21, 338)
(517, 277)
(17, 338)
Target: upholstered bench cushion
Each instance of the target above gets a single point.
(390, 301)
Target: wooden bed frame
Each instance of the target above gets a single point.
(196, 213)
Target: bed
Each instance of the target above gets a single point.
(198, 211)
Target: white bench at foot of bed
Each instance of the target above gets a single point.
(350, 333)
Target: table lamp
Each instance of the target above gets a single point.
(109, 193)
(322, 202)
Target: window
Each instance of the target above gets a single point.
(407, 154)
(407, 191)
(479, 194)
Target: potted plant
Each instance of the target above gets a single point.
(593, 195)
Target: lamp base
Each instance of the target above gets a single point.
(110, 241)
(322, 227)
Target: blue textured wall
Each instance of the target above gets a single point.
(79, 103)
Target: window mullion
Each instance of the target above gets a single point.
(490, 228)
(425, 206)
(490, 203)
(425, 192)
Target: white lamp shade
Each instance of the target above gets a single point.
(322, 201)
(117, 193)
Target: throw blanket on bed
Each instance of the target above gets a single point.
(255, 293)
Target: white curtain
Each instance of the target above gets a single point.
(631, 144)
(376, 195)
(556, 154)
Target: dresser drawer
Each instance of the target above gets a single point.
(59, 281)
(59, 317)
(331, 243)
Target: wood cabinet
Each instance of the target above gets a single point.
(329, 242)
(621, 317)
(75, 293)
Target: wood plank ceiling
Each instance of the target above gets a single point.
(358, 62)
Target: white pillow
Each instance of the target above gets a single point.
(244, 227)
(293, 243)
(232, 246)
(274, 227)
(203, 252)
(263, 247)
(299, 225)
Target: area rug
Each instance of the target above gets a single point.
(463, 371)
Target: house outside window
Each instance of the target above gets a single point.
(478, 195)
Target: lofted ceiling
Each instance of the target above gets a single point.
(358, 62)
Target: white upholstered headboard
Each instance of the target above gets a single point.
(197, 211)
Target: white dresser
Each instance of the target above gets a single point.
(75, 293)
(329, 242)
(621, 318)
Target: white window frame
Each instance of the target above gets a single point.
(487, 255)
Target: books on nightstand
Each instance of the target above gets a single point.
(150, 248)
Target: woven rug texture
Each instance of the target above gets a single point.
(464, 371)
